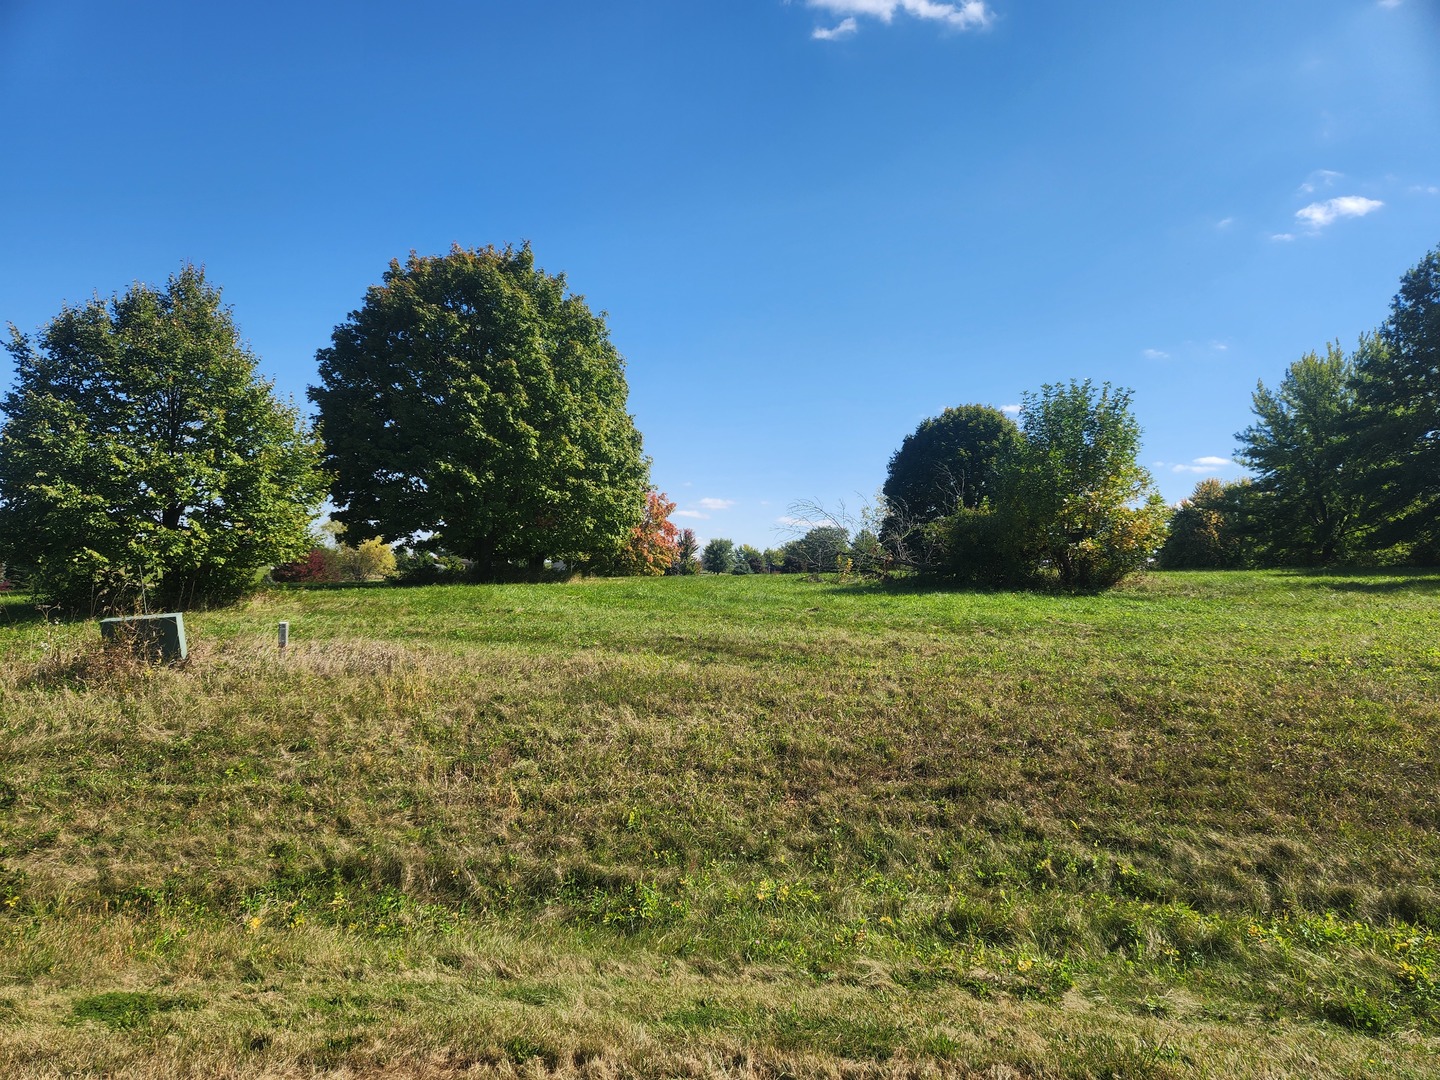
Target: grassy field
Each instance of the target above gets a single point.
(732, 826)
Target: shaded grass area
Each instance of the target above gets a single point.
(719, 825)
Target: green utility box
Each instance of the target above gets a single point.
(153, 637)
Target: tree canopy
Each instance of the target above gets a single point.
(473, 403)
(1309, 499)
(1397, 383)
(142, 459)
(948, 461)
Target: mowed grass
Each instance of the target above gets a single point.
(732, 826)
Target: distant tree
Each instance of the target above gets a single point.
(1073, 506)
(371, 560)
(654, 544)
(1397, 384)
(316, 568)
(754, 558)
(868, 552)
(818, 551)
(472, 401)
(1313, 503)
(144, 461)
(774, 560)
(687, 554)
(718, 556)
(1207, 530)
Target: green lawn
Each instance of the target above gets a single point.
(715, 826)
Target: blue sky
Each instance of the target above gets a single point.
(812, 223)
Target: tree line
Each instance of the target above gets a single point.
(472, 410)
(1344, 452)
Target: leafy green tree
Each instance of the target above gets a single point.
(472, 401)
(1207, 530)
(1073, 507)
(1397, 384)
(949, 461)
(718, 556)
(754, 558)
(143, 462)
(1312, 503)
(818, 551)
(687, 554)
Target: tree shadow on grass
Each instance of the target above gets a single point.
(1375, 580)
(19, 609)
(920, 586)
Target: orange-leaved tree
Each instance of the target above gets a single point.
(654, 543)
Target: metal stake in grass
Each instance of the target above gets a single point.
(284, 635)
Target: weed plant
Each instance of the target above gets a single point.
(724, 825)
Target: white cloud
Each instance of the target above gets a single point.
(691, 514)
(965, 15)
(1283, 237)
(1010, 410)
(717, 504)
(1391, 3)
(1209, 464)
(1219, 346)
(1225, 223)
(834, 33)
(1155, 354)
(1318, 215)
(1320, 178)
(1424, 189)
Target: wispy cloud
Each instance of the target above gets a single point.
(716, 504)
(1155, 354)
(1225, 223)
(1391, 3)
(1010, 410)
(835, 33)
(1320, 178)
(695, 514)
(1320, 214)
(1202, 465)
(1282, 237)
(1424, 189)
(965, 15)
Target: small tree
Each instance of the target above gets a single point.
(1207, 531)
(319, 567)
(372, 560)
(718, 556)
(142, 458)
(654, 544)
(687, 549)
(1073, 507)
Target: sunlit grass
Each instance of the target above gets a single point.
(676, 825)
